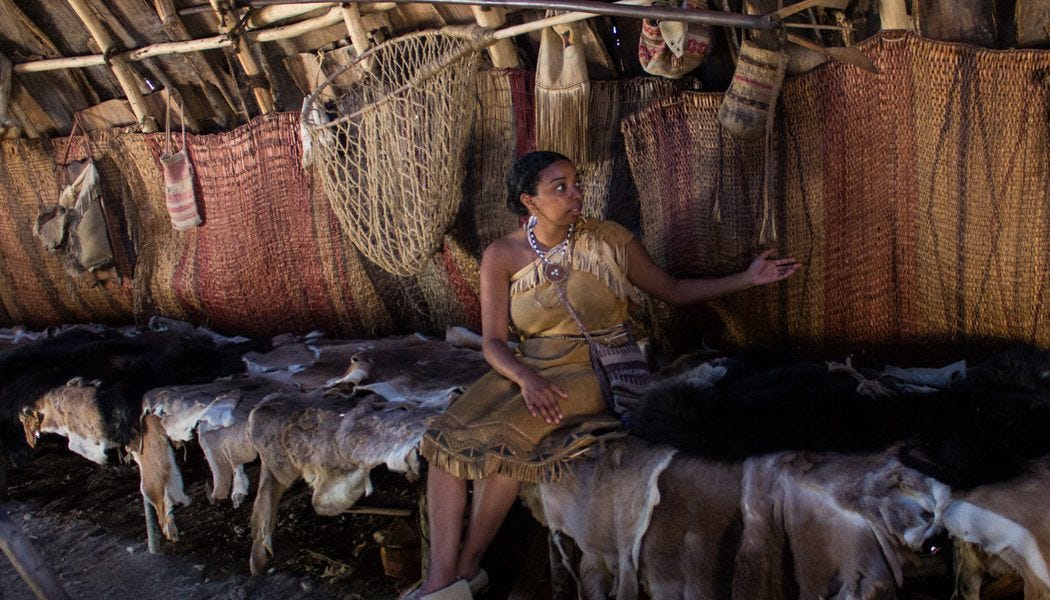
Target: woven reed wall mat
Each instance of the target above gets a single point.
(484, 215)
(35, 289)
(608, 190)
(270, 256)
(451, 286)
(918, 200)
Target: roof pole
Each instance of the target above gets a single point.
(118, 64)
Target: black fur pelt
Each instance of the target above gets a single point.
(763, 407)
(125, 367)
(991, 424)
(982, 429)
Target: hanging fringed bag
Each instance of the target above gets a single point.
(562, 93)
(749, 101)
(89, 234)
(178, 179)
(77, 224)
(673, 49)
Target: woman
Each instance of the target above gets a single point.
(541, 405)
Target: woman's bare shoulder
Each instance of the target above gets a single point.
(509, 253)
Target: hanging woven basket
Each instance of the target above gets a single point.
(389, 149)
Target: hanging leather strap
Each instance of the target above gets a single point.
(167, 126)
(560, 288)
(73, 133)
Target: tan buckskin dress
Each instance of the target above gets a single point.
(489, 429)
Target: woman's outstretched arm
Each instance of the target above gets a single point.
(647, 276)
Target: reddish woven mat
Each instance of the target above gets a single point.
(916, 199)
(450, 285)
(270, 256)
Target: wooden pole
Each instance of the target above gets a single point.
(502, 53)
(220, 95)
(8, 129)
(27, 561)
(152, 527)
(118, 64)
(263, 96)
(27, 125)
(268, 15)
(290, 31)
(356, 28)
(182, 47)
(894, 15)
(597, 7)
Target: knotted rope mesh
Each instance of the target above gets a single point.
(391, 162)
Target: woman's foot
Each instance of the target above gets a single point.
(479, 583)
(457, 590)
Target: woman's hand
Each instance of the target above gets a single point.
(765, 270)
(541, 398)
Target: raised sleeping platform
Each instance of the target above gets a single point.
(785, 479)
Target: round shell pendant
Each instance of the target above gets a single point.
(555, 273)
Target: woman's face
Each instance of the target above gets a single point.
(559, 197)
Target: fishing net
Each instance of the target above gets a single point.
(391, 159)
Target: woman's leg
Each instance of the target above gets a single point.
(493, 497)
(446, 501)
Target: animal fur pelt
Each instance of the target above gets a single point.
(989, 426)
(125, 367)
(981, 429)
(762, 406)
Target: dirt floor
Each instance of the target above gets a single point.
(87, 522)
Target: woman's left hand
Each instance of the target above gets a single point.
(765, 269)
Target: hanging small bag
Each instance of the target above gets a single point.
(752, 95)
(673, 49)
(617, 360)
(178, 179)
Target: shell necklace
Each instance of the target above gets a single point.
(554, 273)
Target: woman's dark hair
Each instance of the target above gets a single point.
(525, 174)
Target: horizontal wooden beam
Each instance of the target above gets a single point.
(166, 48)
(335, 15)
(594, 7)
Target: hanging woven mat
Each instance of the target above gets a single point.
(391, 161)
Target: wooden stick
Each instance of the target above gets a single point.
(847, 55)
(27, 561)
(118, 64)
(263, 95)
(27, 125)
(290, 31)
(381, 510)
(268, 15)
(815, 26)
(787, 11)
(5, 100)
(182, 47)
(354, 27)
(638, 10)
(502, 53)
(894, 15)
(152, 527)
(296, 29)
(562, 19)
(220, 95)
